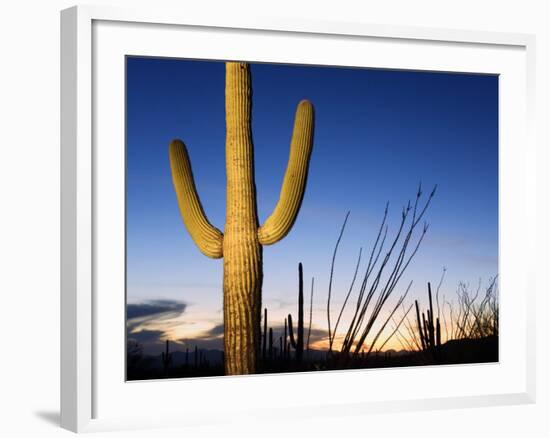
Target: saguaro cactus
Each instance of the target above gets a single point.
(241, 243)
(429, 332)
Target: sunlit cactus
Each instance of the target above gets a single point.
(241, 243)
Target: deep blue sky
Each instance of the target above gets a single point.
(377, 134)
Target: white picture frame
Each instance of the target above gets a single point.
(92, 395)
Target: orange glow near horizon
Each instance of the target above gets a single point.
(182, 330)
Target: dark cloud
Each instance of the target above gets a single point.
(212, 339)
(139, 314)
(155, 308)
(216, 330)
(146, 336)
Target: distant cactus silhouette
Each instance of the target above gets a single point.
(428, 331)
(298, 343)
(270, 343)
(264, 338)
(241, 245)
(166, 357)
(285, 340)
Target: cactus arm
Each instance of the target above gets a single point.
(207, 237)
(284, 215)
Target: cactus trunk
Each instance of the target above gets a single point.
(242, 268)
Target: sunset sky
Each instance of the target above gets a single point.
(377, 134)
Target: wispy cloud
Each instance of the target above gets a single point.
(148, 322)
(139, 314)
(147, 337)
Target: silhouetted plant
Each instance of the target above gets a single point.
(310, 313)
(374, 292)
(298, 342)
(270, 343)
(264, 338)
(477, 315)
(428, 331)
(474, 317)
(134, 353)
(166, 357)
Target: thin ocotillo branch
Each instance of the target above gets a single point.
(347, 297)
(310, 313)
(412, 334)
(331, 275)
(451, 312)
(445, 321)
(382, 231)
(437, 291)
(381, 329)
(403, 340)
(396, 327)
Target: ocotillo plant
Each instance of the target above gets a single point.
(298, 343)
(166, 357)
(477, 313)
(241, 243)
(429, 333)
(387, 262)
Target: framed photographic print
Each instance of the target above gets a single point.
(252, 205)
